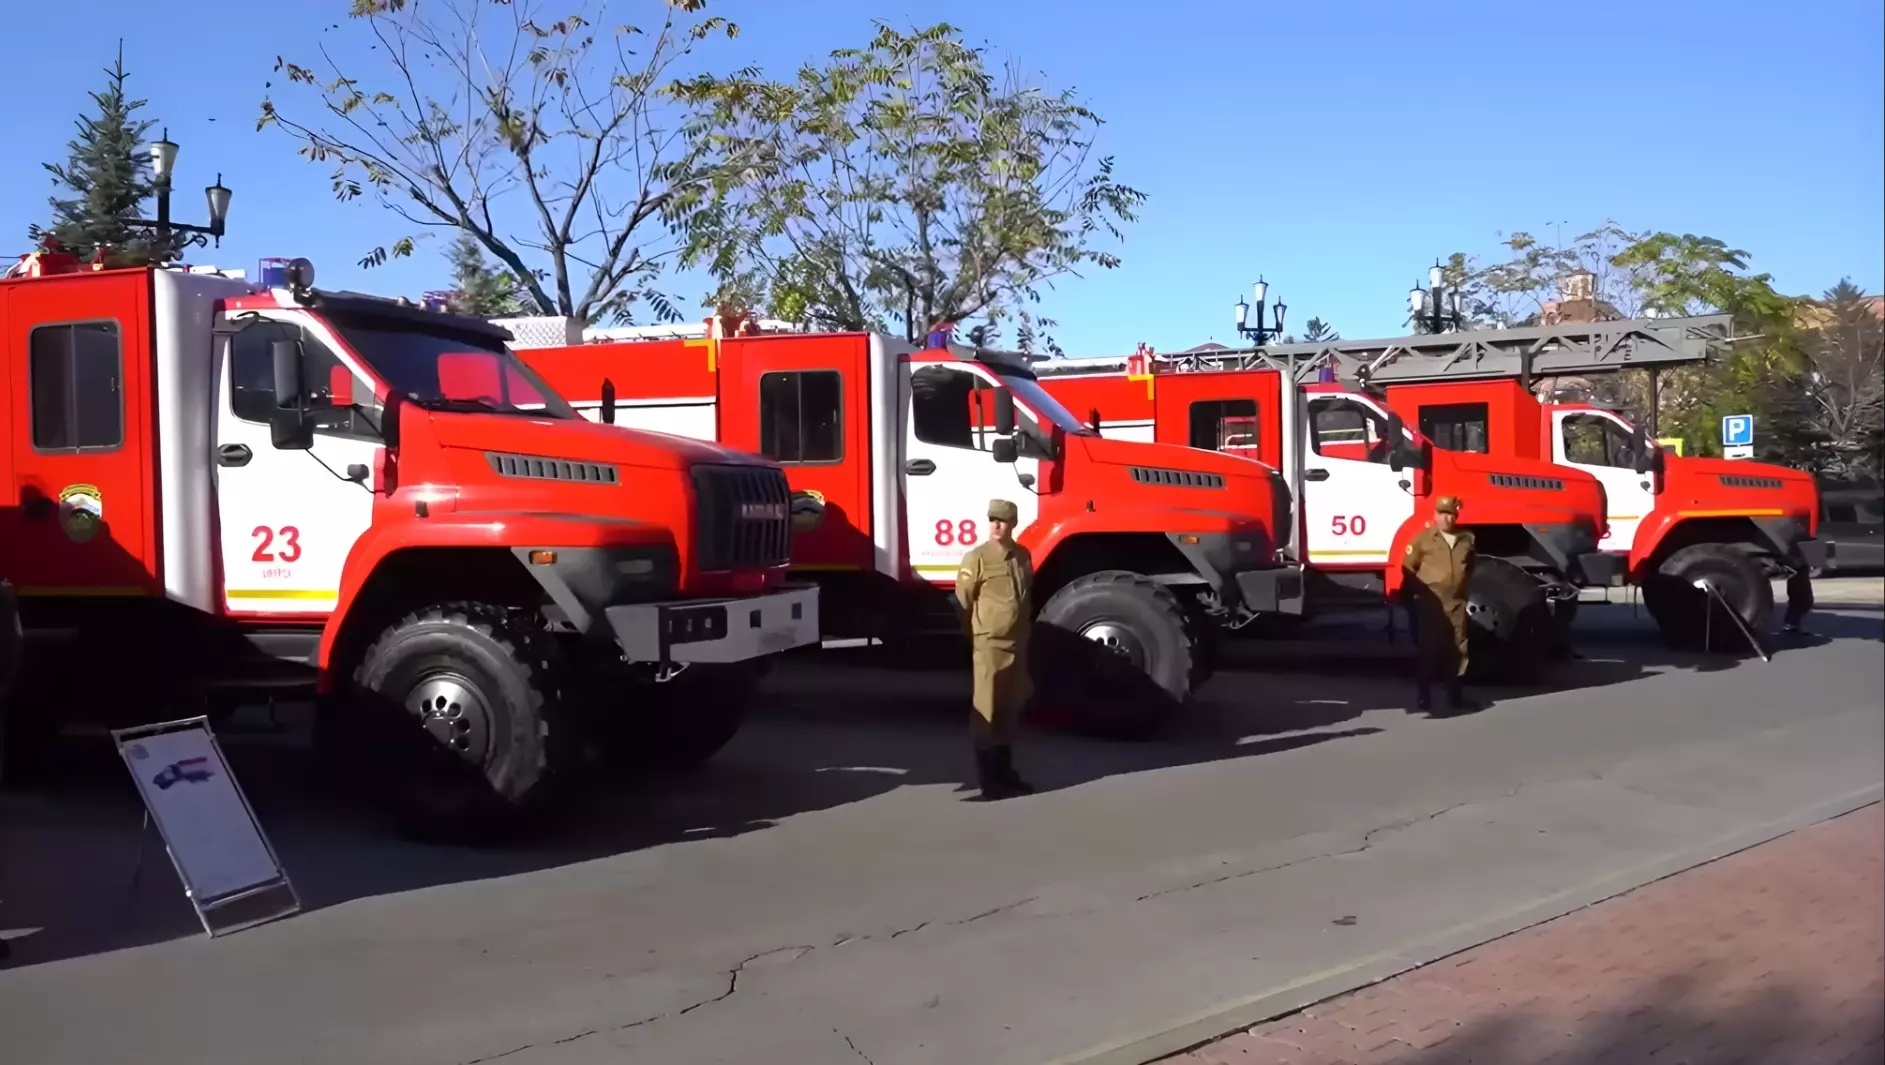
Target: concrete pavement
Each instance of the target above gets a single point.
(822, 895)
(1775, 954)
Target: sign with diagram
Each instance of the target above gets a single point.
(228, 868)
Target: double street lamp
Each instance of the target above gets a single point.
(1433, 309)
(163, 162)
(1258, 333)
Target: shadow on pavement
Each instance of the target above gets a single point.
(1775, 1024)
(71, 883)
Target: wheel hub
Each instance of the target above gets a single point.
(450, 708)
(1118, 639)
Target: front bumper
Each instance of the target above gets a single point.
(1570, 550)
(1241, 568)
(716, 630)
(1813, 553)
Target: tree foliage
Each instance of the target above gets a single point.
(555, 142)
(106, 178)
(1845, 382)
(902, 186)
(477, 289)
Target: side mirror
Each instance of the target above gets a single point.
(1004, 449)
(286, 356)
(1642, 454)
(1397, 443)
(291, 430)
(1004, 413)
(608, 401)
(339, 387)
(1093, 419)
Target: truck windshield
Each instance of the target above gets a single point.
(449, 370)
(1036, 399)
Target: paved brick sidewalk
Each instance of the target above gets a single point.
(1774, 955)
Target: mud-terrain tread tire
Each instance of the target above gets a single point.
(1676, 604)
(504, 654)
(1105, 699)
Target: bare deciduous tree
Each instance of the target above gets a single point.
(557, 143)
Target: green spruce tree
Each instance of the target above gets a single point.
(106, 179)
(477, 289)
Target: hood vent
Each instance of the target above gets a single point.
(1737, 480)
(542, 468)
(1519, 480)
(1175, 478)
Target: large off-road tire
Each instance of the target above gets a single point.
(1689, 617)
(679, 724)
(455, 713)
(1115, 652)
(1508, 625)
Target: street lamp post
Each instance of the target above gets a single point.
(1258, 332)
(163, 163)
(1434, 308)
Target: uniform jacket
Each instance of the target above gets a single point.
(1442, 569)
(993, 586)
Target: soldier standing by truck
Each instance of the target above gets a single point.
(1439, 563)
(993, 588)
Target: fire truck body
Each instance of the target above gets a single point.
(1672, 519)
(220, 483)
(893, 452)
(1367, 485)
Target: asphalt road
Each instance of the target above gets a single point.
(823, 894)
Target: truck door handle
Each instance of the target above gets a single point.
(1315, 475)
(919, 467)
(234, 455)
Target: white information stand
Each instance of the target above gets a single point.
(229, 870)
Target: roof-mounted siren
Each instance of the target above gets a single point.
(296, 275)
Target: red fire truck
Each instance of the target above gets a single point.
(1673, 521)
(893, 452)
(217, 483)
(1367, 485)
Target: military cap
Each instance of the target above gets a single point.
(1446, 505)
(1002, 510)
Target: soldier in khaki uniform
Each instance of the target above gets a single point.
(1439, 562)
(993, 587)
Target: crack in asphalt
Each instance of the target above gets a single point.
(733, 985)
(853, 1046)
(996, 910)
(1367, 841)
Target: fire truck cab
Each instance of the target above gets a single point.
(217, 483)
(1367, 485)
(894, 451)
(1673, 520)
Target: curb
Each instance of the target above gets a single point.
(1226, 1018)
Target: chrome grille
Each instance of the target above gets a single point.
(742, 518)
(1175, 478)
(542, 468)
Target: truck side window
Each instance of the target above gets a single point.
(252, 378)
(940, 406)
(1344, 429)
(76, 373)
(1455, 426)
(1224, 425)
(1593, 441)
(801, 416)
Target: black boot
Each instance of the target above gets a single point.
(992, 774)
(1004, 766)
(1456, 698)
(1423, 698)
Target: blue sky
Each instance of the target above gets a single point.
(1335, 147)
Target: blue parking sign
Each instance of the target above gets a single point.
(1737, 430)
